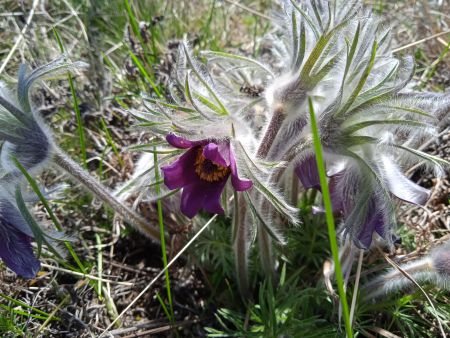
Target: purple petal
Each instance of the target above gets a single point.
(11, 217)
(182, 143)
(15, 246)
(238, 184)
(308, 173)
(401, 186)
(212, 201)
(339, 201)
(16, 252)
(370, 226)
(192, 199)
(374, 222)
(182, 171)
(178, 142)
(218, 153)
(202, 195)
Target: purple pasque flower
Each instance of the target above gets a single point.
(15, 241)
(366, 206)
(202, 171)
(342, 201)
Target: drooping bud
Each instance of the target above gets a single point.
(433, 268)
(440, 261)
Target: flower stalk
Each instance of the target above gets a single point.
(272, 131)
(130, 216)
(241, 245)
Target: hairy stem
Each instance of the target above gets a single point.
(265, 247)
(241, 246)
(264, 241)
(100, 191)
(271, 132)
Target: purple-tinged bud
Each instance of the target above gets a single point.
(24, 134)
(440, 260)
(433, 268)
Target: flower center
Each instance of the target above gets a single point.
(207, 170)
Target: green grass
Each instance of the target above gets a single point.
(170, 312)
(52, 216)
(76, 106)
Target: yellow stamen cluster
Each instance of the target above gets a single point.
(207, 170)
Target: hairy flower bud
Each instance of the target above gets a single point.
(433, 268)
(24, 133)
(440, 261)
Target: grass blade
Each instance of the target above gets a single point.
(76, 107)
(99, 265)
(330, 219)
(25, 305)
(163, 239)
(144, 73)
(52, 216)
(111, 142)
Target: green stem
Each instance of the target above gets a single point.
(161, 231)
(272, 130)
(330, 219)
